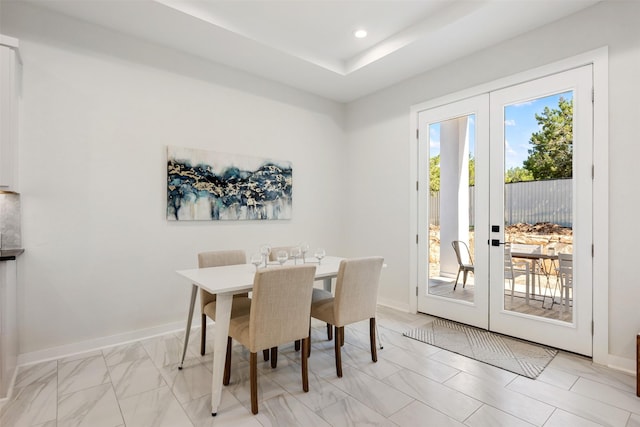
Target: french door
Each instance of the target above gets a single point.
(507, 175)
(453, 155)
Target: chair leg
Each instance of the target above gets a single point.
(203, 334)
(456, 282)
(253, 380)
(305, 364)
(265, 355)
(342, 337)
(464, 278)
(227, 363)
(274, 357)
(378, 337)
(296, 345)
(329, 332)
(512, 289)
(372, 338)
(339, 332)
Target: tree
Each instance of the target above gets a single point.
(551, 154)
(434, 173)
(517, 174)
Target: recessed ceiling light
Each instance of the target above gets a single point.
(360, 34)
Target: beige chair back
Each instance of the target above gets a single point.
(218, 259)
(280, 306)
(273, 255)
(357, 290)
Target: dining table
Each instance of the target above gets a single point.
(224, 282)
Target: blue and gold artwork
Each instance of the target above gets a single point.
(206, 185)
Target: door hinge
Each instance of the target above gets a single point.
(593, 171)
(592, 327)
(593, 95)
(416, 291)
(417, 185)
(417, 133)
(592, 250)
(416, 239)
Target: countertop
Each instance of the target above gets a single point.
(10, 254)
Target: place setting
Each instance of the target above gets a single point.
(269, 256)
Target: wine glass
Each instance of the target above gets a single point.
(265, 250)
(304, 248)
(295, 254)
(282, 257)
(320, 253)
(256, 259)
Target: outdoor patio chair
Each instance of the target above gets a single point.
(513, 270)
(465, 263)
(565, 274)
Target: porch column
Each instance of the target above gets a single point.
(454, 191)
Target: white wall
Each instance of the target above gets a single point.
(379, 140)
(99, 109)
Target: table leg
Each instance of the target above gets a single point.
(532, 266)
(528, 283)
(223, 315)
(547, 274)
(326, 283)
(194, 293)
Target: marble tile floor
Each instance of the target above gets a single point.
(413, 384)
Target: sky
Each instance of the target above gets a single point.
(520, 123)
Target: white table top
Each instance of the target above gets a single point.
(238, 278)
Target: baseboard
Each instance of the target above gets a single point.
(393, 304)
(54, 353)
(622, 364)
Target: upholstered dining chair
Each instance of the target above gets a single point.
(280, 309)
(241, 302)
(273, 256)
(356, 296)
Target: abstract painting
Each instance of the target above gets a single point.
(207, 185)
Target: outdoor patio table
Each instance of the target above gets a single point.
(537, 257)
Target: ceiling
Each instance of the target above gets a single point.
(310, 44)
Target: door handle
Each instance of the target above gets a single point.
(496, 242)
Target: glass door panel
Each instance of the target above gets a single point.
(538, 196)
(451, 280)
(451, 237)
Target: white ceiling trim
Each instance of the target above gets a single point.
(309, 44)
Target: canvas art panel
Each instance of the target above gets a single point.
(207, 185)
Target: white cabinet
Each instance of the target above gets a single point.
(8, 325)
(10, 72)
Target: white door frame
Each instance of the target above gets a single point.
(599, 59)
